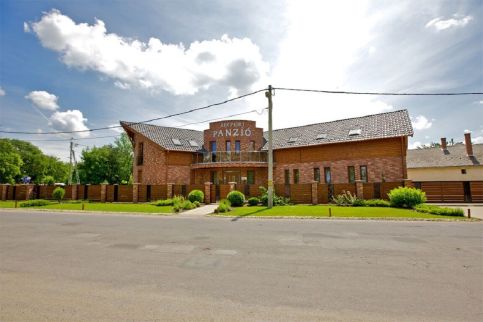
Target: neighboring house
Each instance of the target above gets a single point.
(448, 173)
(370, 148)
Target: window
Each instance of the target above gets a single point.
(176, 141)
(321, 136)
(252, 146)
(364, 173)
(327, 175)
(352, 174)
(213, 146)
(287, 176)
(292, 140)
(228, 146)
(463, 171)
(140, 176)
(140, 157)
(237, 146)
(355, 132)
(296, 175)
(250, 177)
(317, 174)
(214, 177)
(193, 143)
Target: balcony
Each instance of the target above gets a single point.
(230, 157)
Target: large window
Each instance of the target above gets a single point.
(352, 174)
(140, 158)
(228, 146)
(296, 175)
(237, 146)
(213, 150)
(327, 175)
(250, 176)
(317, 174)
(287, 176)
(364, 173)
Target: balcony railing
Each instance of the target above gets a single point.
(221, 156)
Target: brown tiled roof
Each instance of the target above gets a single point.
(454, 156)
(377, 126)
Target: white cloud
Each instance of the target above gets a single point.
(26, 27)
(233, 62)
(116, 129)
(414, 145)
(477, 140)
(43, 99)
(2, 92)
(420, 122)
(70, 120)
(442, 24)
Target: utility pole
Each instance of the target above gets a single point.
(70, 161)
(268, 94)
(73, 167)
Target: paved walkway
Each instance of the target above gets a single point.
(201, 211)
(475, 208)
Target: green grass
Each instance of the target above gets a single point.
(97, 206)
(322, 211)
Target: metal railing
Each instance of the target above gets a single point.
(222, 156)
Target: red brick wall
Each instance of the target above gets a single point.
(154, 168)
(233, 130)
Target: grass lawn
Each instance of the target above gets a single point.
(320, 211)
(97, 206)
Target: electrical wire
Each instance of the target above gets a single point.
(374, 93)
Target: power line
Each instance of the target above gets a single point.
(145, 121)
(374, 93)
(74, 139)
(221, 118)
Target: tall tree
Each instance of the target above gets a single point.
(10, 162)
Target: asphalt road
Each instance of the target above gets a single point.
(76, 267)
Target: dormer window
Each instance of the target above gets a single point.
(176, 142)
(292, 140)
(355, 132)
(321, 136)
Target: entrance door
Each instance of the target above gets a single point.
(231, 176)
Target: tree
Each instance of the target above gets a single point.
(124, 154)
(10, 162)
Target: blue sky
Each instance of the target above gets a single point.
(84, 64)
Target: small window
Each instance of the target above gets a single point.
(352, 174)
(321, 136)
(463, 171)
(355, 132)
(140, 157)
(237, 146)
(292, 140)
(287, 176)
(250, 177)
(296, 175)
(193, 143)
(176, 141)
(317, 174)
(327, 175)
(228, 146)
(364, 173)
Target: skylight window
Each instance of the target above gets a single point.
(176, 141)
(354, 132)
(193, 143)
(292, 140)
(321, 136)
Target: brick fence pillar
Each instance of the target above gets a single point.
(103, 192)
(29, 191)
(207, 192)
(408, 183)
(360, 189)
(3, 191)
(314, 192)
(232, 186)
(135, 192)
(73, 192)
(169, 190)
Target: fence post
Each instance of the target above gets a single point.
(103, 192)
(360, 189)
(73, 192)
(314, 192)
(169, 191)
(207, 192)
(135, 192)
(4, 188)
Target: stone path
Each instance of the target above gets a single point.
(201, 211)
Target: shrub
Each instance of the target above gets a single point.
(35, 203)
(58, 194)
(236, 198)
(348, 199)
(166, 202)
(224, 206)
(178, 203)
(187, 205)
(376, 203)
(277, 200)
(253, 201)
(49, 180)
(436, 210)
(404, 197)
(196, 195)
(196, 203)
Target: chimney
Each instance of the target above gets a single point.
(444, 146)
(469, 146)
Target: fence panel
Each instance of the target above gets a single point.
(192, 187)
(124, 193)
(453, 191)
(368, 189)
(110, 193)
(340, 188)
(301, 193)
(433, 191)
(476, 188)
(388, 186)
(68, 192)
(143, 193)
(322, 193)
(94, 192)
(45, 192)
(224, 190)
(213, 189)
(254, 190)
(179, 190)
(158, 191)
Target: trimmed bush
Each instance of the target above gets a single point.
(58, 194)
(376, 203)
(187, 205)
(224, 206)
(196, 203)
(236, 198)
(405, 197)
(35, 203)
(196, 195)
(442, 211)
(166, 202)
(253, 201)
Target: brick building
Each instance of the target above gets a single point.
(370, 148)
